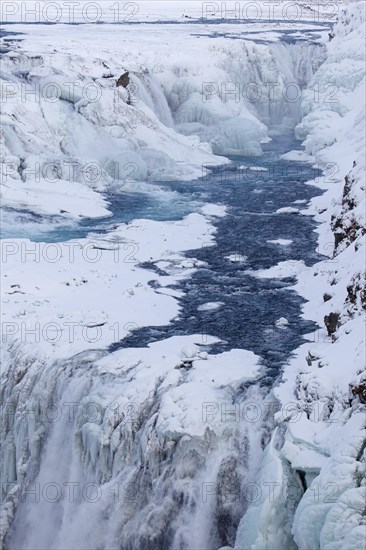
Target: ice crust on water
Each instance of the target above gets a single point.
(283, 270)
(282, 242)
(214, 210)
(288, 210)
(209, 306)
(105, 267)
(282, 322)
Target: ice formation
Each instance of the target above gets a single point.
(178, 116)
(318, 448)
(125, 426)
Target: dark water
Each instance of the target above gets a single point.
(251, 306)
(286, 36)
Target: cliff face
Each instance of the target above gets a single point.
(316, 458)
(347, 226)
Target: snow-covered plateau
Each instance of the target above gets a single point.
(116, 431)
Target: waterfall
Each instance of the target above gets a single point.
(251, 89)
(145, 86)
(271, 82)
(92, 469)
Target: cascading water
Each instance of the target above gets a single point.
(107, 474)
(148, 89)
(258, 83)
(296, 64)
(107, 478)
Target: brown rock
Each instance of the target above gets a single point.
(332, 322)
(123, 80)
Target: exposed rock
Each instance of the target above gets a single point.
(123, 80)
(332, 322)
(345, 226)
(311, 356)
(356, 294)
(359, 391)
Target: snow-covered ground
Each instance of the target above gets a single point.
(47, 286)
(148, 427)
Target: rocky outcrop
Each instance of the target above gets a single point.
(331, 321)
(346, 225)
(123, 80)
(356, 295)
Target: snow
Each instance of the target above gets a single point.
(287, 210)
(210, 306)
(283, 270)
(186, 112)
(258, 169)
(86, 133)
(297, 156)
(282, 322)
(63, 198)
(282, 242)
(236, 258)
(171, 383)
(322, 423)
(182, 406)
(30, 11)
(214, 210)
(47, 286)
(65, 303)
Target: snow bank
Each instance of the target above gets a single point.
(319, 445)
(47, 287)
(69, 133)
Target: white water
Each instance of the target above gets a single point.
(107, 476)
(148, 89)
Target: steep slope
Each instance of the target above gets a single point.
(316, 458)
